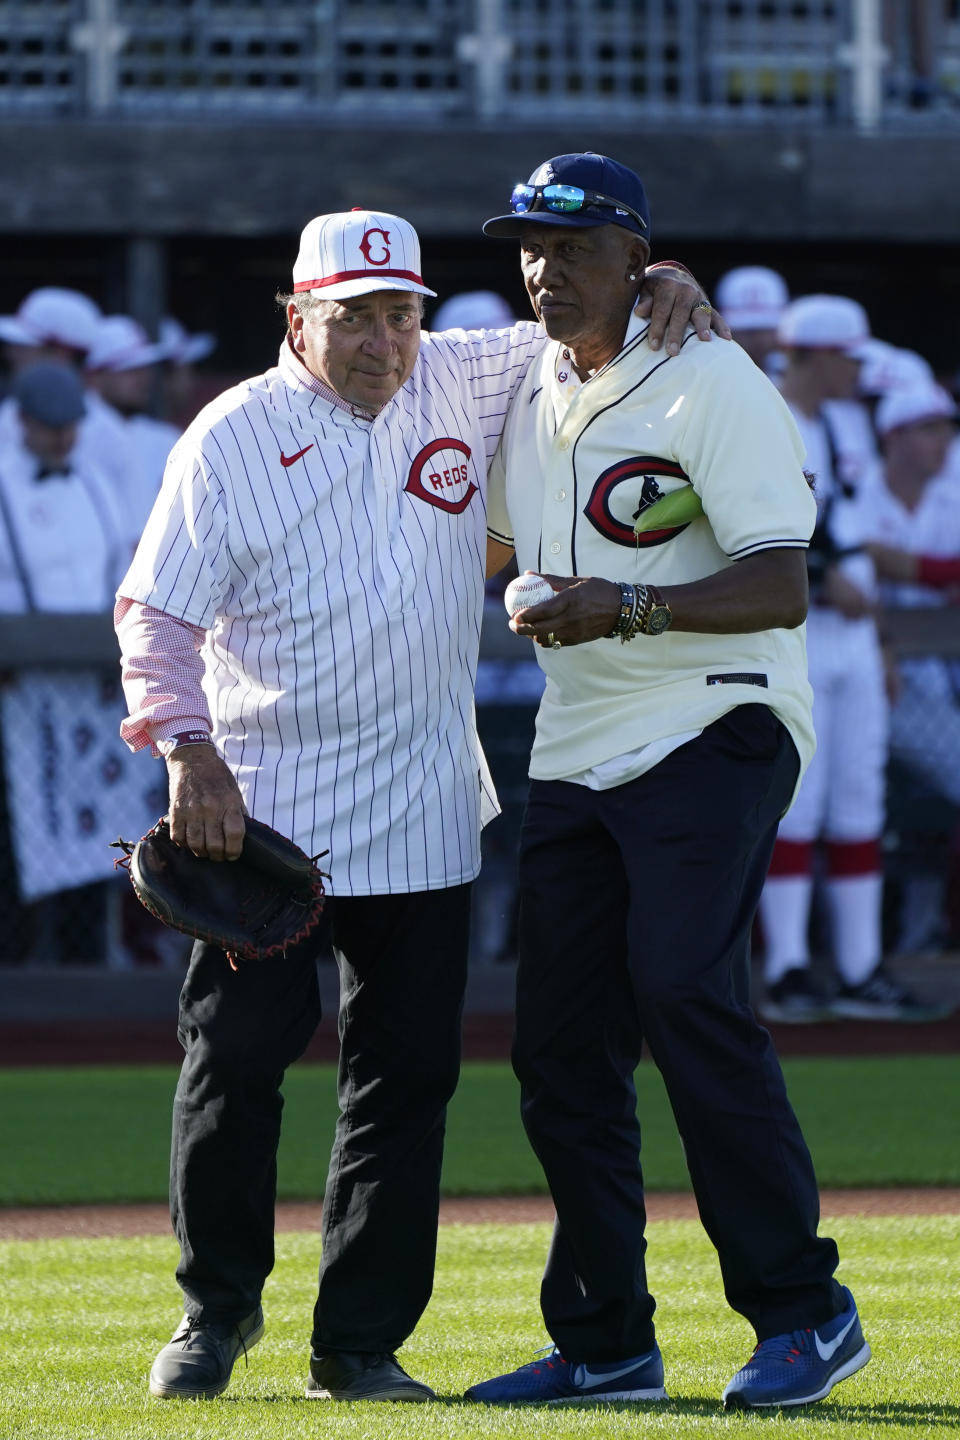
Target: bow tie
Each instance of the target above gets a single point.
(48, 472)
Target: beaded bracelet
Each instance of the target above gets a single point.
(628, 609)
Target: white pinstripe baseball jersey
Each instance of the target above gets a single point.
(337, 565)
(576, 466)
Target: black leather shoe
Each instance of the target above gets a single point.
(349, 1375)
(198, 1361)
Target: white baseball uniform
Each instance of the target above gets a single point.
(925, 720)
(842, 794)
(841, 798)
(63, 539)
(103, 444)
(565, 490)
(336, 563)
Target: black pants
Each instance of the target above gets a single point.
(636, 910)
(402, 961)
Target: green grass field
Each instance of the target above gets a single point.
(80, 1136)
(81, 1321)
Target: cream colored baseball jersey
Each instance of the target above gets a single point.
(578, 463)
(336, 563)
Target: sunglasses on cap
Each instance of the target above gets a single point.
(563, 200)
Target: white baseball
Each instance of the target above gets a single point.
(526, 590)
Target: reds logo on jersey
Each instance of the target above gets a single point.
(622, 493)
(440, 474)
(383, 244)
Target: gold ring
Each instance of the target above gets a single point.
(550, 639)
(556, 644)
(703, 305)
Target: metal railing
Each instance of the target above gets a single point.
(820, 62)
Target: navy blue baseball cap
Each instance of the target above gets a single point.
(582, 189)
(49, 393)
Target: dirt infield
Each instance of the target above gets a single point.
(485, 1037)
(102, 1221)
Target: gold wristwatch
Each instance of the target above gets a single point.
(657, 615)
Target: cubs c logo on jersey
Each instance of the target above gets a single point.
(622, 493)
(440, 474)
(382, 247)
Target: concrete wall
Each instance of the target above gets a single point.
(253, 180)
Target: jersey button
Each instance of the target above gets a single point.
(555, 548)
(563, 444)
(561, 494)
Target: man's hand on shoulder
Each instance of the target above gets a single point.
(206, 807)
(671, 298)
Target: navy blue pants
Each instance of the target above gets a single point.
(402, 961)
(636, 910)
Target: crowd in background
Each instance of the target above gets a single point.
(92, 408)
(85, 429)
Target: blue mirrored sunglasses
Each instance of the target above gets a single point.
(563, 200)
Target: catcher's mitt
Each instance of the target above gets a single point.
(253, 907)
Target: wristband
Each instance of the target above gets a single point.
(628, 606)
(188, 737)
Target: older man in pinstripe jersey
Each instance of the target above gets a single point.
(300, 630)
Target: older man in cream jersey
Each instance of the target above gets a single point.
(300, 630)
(665, 499)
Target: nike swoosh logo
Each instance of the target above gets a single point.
(288, 460)
(584, 1378)
(826, 1351)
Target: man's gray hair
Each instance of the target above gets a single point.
(305, 302)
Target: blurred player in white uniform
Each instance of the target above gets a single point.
(61, 325)
(752, 299)
(122, 368)
(182, 349)
(63, 541)
(63, 547)
(51, 324)
(841, 800)
(913, 520)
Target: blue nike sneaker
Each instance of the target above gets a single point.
(801, 1367)
(555, 1381)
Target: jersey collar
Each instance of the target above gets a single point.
(296, 374)
(567, 384)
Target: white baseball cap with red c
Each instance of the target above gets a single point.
(355, 251)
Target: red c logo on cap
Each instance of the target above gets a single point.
(365, 247)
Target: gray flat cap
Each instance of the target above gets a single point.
(51, 394)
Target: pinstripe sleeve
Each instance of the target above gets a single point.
(181, 564)
(496, 362)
